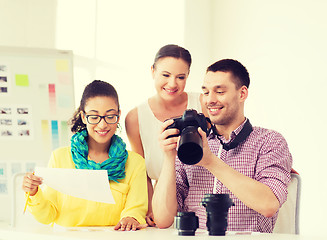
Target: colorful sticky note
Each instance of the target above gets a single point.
(52, 98)
(45, 131)
(22, 80)
(16, 168)
(64, 138)
(65, 101)
(64, 78)
(3, 167)
(3, 186)
(55, 134)
(46, 139)
(62, 65)
(52, 88)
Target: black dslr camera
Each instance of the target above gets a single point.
(189, 150)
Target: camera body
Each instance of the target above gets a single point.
(190, 145)
(190, 118)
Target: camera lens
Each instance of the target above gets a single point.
(190, 146)
(217, 206)
(186, 223)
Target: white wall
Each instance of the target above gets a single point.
(29, 23)
(198, 40)
(283, 45)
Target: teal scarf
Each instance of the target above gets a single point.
(115, 164)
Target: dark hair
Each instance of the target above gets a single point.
(240, 73)
(94, 89)
(175, 51)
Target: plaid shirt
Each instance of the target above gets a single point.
(263, 156)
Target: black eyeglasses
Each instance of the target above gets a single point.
(95, 119)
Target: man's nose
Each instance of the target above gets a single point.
(211, 98)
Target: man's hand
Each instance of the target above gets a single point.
(208, 157)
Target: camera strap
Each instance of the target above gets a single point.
(244, 133)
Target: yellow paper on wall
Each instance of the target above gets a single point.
(62, 65)
(22, 80)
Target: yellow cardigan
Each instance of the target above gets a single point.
(130, 194)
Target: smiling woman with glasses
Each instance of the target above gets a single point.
(95, 145)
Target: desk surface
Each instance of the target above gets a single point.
(48, 233)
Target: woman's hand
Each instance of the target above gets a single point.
(168, 144)
(31, 183)
(149, 219)
(129, 223)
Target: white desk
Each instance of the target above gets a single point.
(48, 233)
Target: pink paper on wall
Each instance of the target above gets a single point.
(64, 78)
(52, 98)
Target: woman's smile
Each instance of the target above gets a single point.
(102, 133)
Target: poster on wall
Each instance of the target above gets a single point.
(16, 122)
(5, 80)
(36, 103)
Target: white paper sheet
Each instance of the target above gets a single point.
(82, 183)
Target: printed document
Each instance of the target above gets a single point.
(82, 183)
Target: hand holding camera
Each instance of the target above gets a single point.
(189, 149)
(168, 144)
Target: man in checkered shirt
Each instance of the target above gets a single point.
(254, 172)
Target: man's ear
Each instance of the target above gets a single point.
(243, 93)
(83, 117)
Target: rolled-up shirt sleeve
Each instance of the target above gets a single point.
(274, 165)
